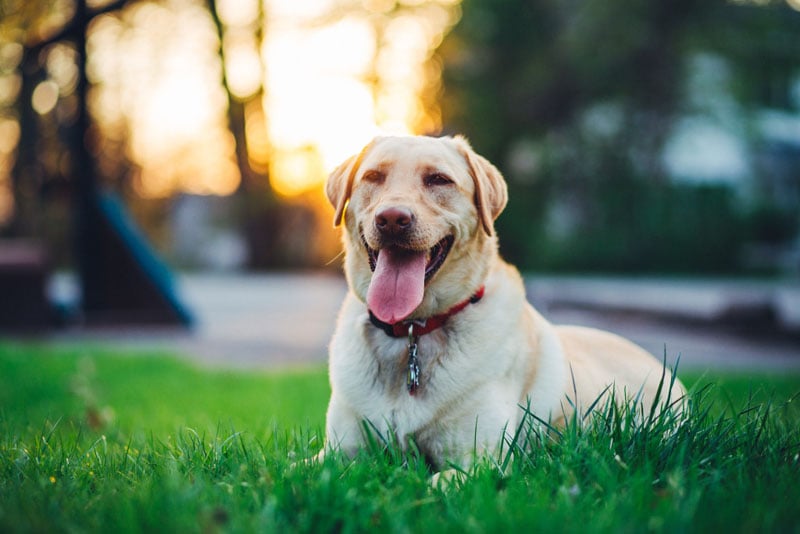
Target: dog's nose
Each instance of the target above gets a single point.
(394, 220)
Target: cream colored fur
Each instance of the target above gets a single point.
(491, 358)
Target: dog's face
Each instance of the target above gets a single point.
(419, 214)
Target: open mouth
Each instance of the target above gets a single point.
(436, 255)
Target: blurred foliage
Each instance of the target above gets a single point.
(676, 229)
(575, 103)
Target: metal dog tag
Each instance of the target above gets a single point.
(412, 378)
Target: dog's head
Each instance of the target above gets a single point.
(419, 215)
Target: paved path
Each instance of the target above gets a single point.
(710, 324)
(264, 321)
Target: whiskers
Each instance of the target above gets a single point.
(333, 259)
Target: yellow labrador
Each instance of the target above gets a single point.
(435, 340)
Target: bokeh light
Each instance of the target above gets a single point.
(316, 78)
(45, 97)
(157, 69)
(333, 75)
(334, 86)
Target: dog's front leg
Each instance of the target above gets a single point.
(489, 433)
(342, 430)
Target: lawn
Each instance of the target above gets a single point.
(93, 440)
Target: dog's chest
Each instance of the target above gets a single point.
(407, 367)
(434, 413)
(390, 397)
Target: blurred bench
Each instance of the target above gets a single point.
(23, 279)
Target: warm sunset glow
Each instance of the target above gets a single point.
(157, 70)
(333, 74)
(332, 88)
(315, 98)
(303, 166)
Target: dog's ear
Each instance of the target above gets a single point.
(491, 193)
(340, 184)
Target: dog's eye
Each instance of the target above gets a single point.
(437, 178)
(374, 177)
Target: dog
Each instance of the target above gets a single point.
(435, 341)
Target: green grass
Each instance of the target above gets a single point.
(152, 393)
(91, 440)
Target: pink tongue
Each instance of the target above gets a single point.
(397, 285)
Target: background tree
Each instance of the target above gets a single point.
(119, 277)
(576, 102)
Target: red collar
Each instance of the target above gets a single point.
(423, 326)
